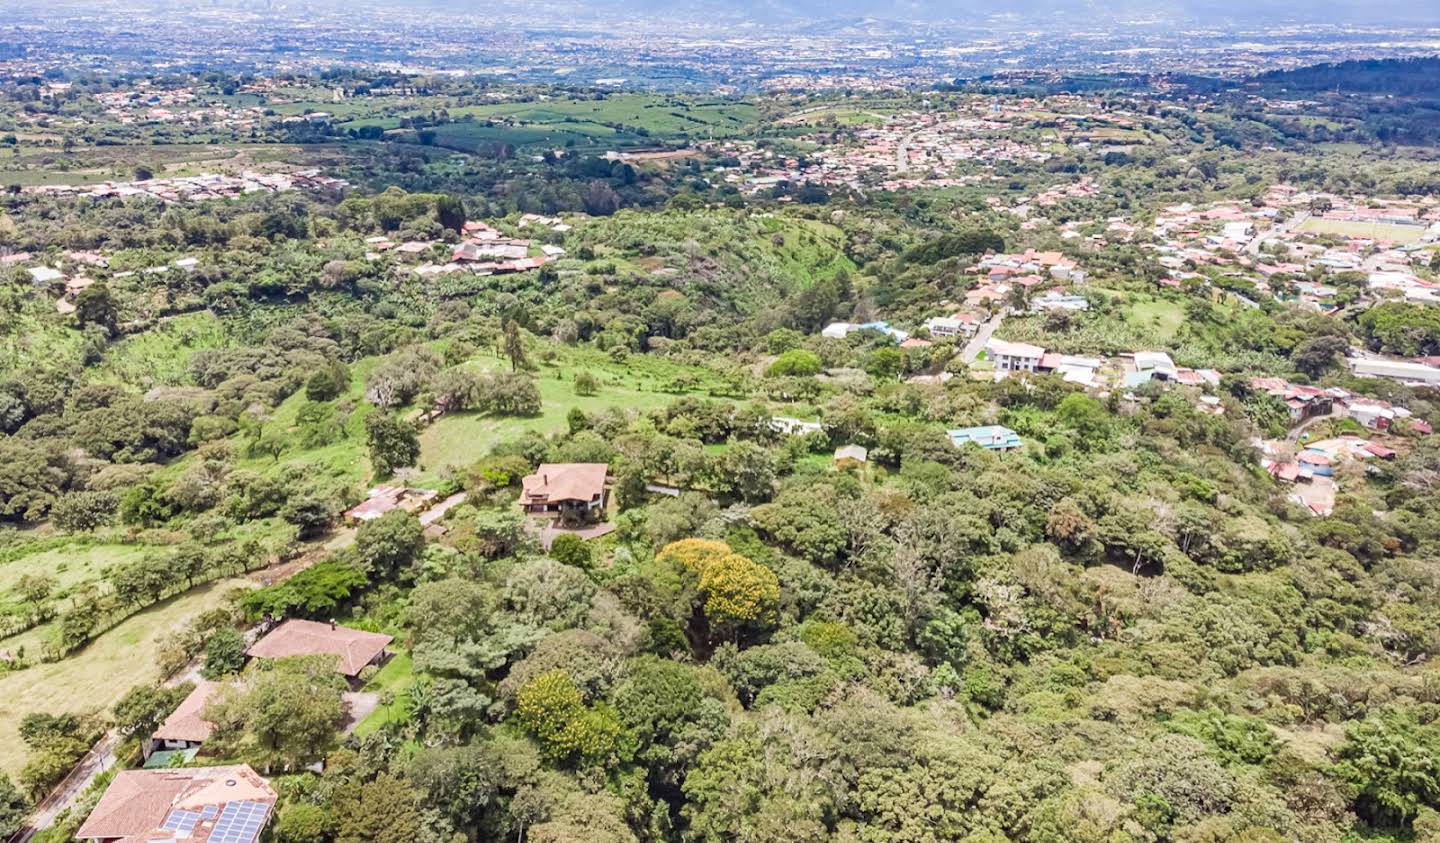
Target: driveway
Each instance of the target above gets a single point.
(982, 336)
(100, 758)
(358, 705)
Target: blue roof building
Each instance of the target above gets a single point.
(991, 437)
(884, 328)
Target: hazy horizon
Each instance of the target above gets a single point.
(974, 13)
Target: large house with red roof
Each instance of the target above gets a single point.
(570, 490)
(197, 805)
(353, 649)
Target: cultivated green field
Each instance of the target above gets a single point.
(615, 121)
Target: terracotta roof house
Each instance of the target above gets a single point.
(185, 728)
(197, 805)
(354, 648)
(565, 488)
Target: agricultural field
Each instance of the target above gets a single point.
(655, 116)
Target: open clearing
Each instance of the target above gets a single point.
(1164, 317)
(459, 439)
(69, 565)
(97, 676)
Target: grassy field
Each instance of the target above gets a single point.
(98, 675)
(1161, 316)
(615, 121)
(811, 249)
(470, 137)
(395, 678)
(70, 564)
(660, 116)
(161, 356)
(1402, 234)
(460, 439)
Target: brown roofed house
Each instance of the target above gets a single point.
(220, 804)
(354, 648)
(185, 728)
(574, 490)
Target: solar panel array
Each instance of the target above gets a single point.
(181, 822)
(240, 822)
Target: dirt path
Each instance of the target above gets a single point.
(1294, 435)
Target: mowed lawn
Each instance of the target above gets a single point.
(97, 676)
(395, 679)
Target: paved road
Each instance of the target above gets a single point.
(1253, 247)
(100, 758)
(982, 336)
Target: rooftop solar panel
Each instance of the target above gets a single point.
(181, 822)
(240, 822)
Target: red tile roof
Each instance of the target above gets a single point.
(355, 648)
(185, 723)
(555, 482)
(135, 806)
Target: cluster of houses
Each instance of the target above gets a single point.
(185, 731)
(218, 804)
(931, 149)
(1135, 368)
(1286, 245)
(70, 274)
(1305, 402)
(180, 189)
(486, 251)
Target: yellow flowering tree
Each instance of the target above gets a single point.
(735, 589)
(551, 708)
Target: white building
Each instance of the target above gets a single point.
(794, 427)
(951, 326)
(1400, 370)
(1014, 356)
(1059, 301)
